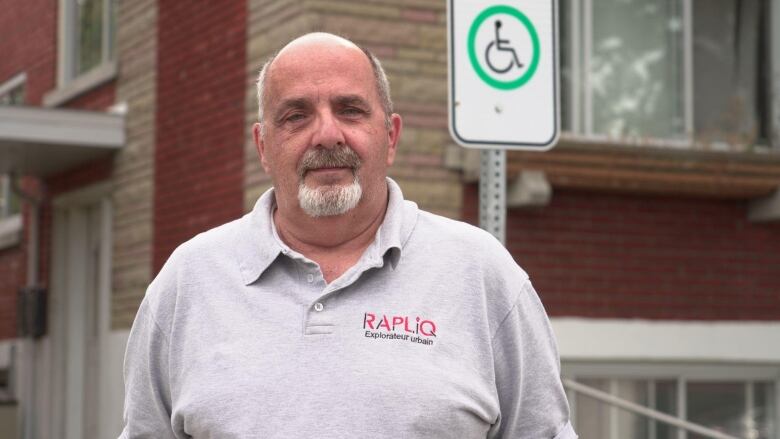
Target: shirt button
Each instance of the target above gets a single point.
(310, 278)
(318, 306)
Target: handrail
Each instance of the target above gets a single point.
(644, 411)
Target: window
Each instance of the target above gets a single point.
(12, 90)
(11, 93)
(9, 202)
(7, 396)
(13, 97)
(741, 402)
(596, 419)
(89, 27)
(5, 384)
(668, 69)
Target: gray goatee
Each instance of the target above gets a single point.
(329, 200)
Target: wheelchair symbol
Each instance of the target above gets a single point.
(493, 59)
(501, 46)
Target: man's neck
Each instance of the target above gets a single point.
(337, 242)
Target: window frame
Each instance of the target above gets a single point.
(7, 367)
(11, 223)
(682, 374)
(69, 41)
(69, 84)
(14, 84)
(580, 44)
(580, 47)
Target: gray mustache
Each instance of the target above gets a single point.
(341, 157)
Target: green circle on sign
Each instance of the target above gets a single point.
(522, 18)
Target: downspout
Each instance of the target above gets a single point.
(27, 345)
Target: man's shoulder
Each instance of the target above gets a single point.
(204, 255)
(469, 256)
(215, 241)
(447, 230)
(211, 248)
(455, 240)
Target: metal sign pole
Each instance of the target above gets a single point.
(492, 193)
(503, 88)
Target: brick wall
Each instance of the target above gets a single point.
(625, 256)
(28, 45)
(133, 173)
(199, 157)
(12, 272)
(97, 99)
(409, 37)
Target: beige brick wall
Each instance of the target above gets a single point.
(409, 37)
(133, 177)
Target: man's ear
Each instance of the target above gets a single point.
(257, 136)
(393, 136)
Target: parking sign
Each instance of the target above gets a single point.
(503, 73)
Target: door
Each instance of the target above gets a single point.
(79, 315)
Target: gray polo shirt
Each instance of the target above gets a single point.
(434, 333)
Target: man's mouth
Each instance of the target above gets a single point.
(329, 169)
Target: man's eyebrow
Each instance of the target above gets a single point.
(347, 100)
(292, 103)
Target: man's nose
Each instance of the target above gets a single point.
(328, 131)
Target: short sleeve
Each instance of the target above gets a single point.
(532, 401)
(147, 412)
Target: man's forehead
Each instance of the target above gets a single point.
(315, 59)
(317, 51)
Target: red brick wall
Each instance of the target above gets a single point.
(200, 120)
(12, 272)
(621, 256)
(97, 99)
(27, 45)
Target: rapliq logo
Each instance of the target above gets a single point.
(399, 327)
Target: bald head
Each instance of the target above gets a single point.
(321, 40)
(299, 50)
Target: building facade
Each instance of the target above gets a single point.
(651, 231)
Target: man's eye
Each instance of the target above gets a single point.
(295, 117)
(352, 111)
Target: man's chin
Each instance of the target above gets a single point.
(327, 188)
(329, 200)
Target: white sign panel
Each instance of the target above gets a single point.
(503, 73)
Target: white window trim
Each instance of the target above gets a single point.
(11, 231)
(10, 225)
(724, 342)
(7, 362)
(581, 52)
(688, 107)
(681, 374)
(13, 83)
(70, 87)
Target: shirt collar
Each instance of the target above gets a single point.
(397, 227)
(257, 249)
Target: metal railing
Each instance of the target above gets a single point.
(644, 411)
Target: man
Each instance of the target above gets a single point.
(335, 308)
